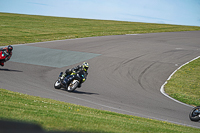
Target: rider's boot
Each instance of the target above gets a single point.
(79, 86)
(2, 64)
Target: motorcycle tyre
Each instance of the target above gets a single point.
(74, 88)
(57, 86)
(194, 118)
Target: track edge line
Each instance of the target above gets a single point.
(162, 87)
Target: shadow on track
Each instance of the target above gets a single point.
(10, 70)
(81, 92)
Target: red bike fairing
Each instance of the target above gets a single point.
(2, 58)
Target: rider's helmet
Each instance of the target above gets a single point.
(85, 66)
(10, 48)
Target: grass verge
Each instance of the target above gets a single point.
(54, 115)
(20, 29)
(184, 85)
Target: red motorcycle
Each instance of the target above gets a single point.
(2, 56)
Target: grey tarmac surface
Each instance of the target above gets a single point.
(125, 74)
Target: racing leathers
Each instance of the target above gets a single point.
(74, 71)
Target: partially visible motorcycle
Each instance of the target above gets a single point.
(2, 56)
(195, 114)
(69, 83)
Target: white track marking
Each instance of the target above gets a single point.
(162, 87)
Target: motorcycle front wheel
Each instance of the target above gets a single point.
(57, 84)
(194, 115)
(73, 85)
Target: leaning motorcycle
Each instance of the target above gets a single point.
(69, 83)
(195, 114)
(2, 56)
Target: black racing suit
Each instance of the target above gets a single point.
(74, 71)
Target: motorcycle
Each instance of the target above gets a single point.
(195, 114)
(2, 56)
(69, 83)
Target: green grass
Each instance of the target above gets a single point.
(185, 84)
(19, 29)
(54, 115)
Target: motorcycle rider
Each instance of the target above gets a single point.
(8, 54)
(78, 69)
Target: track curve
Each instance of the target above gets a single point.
(125, 74)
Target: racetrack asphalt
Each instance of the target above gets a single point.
(125, 75)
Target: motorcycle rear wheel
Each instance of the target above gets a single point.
(194, 116)
(73, 85)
